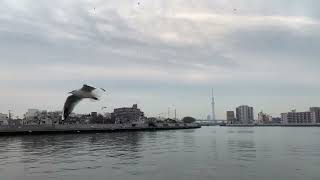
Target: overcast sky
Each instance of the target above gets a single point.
(160, 54)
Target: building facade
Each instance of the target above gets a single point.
(4, 119)
(230, 117)
(127, 115)
(276, 120)
(35, 116)
(31, 113)
(294, 117)
(244, 114)
(315, 114)
(264, 118)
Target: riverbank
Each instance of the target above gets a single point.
(90, 128)
(271, 125)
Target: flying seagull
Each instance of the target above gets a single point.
(77, 95)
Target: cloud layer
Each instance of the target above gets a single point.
(161, 53)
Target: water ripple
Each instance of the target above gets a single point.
(206, 153)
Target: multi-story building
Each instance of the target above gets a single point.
(127, 115)
(31, 113)
(276, 120)
(230, 117)
(94, 114)
(3, 119)
(31, 116)
(35, 116)
(315, 114)
(54, 116)
(294, 117)
(244, 114)
(264, 118)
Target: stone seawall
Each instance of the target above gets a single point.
(87, 128)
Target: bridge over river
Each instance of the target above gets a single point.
(211, 122)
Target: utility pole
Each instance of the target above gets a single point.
(102, 116)
(9, 116)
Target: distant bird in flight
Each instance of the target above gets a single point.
(77, 95)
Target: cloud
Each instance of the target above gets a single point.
(239, 48)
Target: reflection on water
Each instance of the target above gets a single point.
(206, 153)
(242, 149)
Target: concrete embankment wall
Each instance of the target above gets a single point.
(78, 128)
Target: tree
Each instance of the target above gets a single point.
(188, 119)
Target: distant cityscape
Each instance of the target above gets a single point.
(244, 115)
(124, 115)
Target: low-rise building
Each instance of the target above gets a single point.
(4, 119)
(31, 113)
(55, 116)
(128, 115)
(276, 120)
(264, 118)
(15, 122)
(30, 117)
(294, 117)
(94, 114)
(35, 116)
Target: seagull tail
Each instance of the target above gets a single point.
(97, 93)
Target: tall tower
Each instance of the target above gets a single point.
(213, 105)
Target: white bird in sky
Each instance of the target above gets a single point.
(77, 95)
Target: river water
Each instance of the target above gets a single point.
(222, 153)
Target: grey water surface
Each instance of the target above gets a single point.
(222, 153)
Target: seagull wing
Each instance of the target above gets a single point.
(69, 105)
(87, 88)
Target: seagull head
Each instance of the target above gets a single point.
(72, 92)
